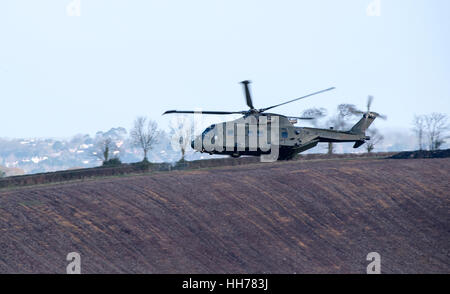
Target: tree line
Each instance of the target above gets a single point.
(342, 120)
(144, 135)
(430, 130)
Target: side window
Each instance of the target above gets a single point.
(206, 130)
(284, 133)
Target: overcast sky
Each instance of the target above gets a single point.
(63, 74)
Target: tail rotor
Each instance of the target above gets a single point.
(367, 114)
(368, 117)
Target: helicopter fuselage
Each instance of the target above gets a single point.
(258, 134)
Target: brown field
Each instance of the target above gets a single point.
(285, 217)
(139, 168)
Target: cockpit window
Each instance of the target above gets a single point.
(211, 127)
(206, 130)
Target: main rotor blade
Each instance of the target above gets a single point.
(355, 111)
(315, 93)
(204, 112)
(248, 97)
(297, 117)
(379, 115)
(369, 102)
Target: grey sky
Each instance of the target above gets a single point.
(61, 75)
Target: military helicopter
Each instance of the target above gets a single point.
(229, 139)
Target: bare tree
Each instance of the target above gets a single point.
(340, 121)
(436, 124)
(105, 149)
(144, 134)
(315, 113)
(182, 129)
(330, 147)
(419, 128)
(375, 138)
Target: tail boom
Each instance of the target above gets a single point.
(363, 124)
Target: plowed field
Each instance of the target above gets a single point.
(288, 217)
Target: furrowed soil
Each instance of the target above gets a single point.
(285, 217)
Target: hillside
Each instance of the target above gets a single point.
(284, 217)
(139, 167)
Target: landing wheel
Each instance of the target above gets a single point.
(287, 155)
(235, 155)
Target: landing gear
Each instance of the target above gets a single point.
(287, 157)
(287, 154)
(235, 155)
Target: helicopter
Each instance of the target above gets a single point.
(260, 133)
